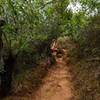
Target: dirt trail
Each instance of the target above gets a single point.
(56, 85)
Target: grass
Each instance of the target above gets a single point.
(86, 73)
(86, 76)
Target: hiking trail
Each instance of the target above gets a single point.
(57, 84)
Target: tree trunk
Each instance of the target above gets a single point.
(2, 22)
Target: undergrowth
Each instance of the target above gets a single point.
(26, 83)
(86, 73)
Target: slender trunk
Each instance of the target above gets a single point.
(1, 58)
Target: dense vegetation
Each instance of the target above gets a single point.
(28, 28)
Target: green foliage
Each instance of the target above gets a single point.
(2, 70)
(32, 21)
(31, 25)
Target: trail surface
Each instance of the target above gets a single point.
(56, 85)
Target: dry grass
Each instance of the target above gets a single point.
(86, 76)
